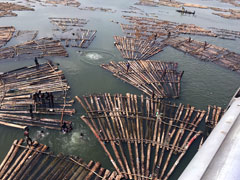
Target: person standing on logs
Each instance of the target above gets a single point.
(51, 100)
(155, 36)
(189, 39)
(26, 136)
(36, 62)
(35, 98)
(163, 73)
(31, 111)
(43, 100)
(169, 34)
(153, 94)
(205, 45)
(64, 128)
(128, 66)
(39, 95)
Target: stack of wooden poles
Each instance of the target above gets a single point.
(206, 52)
(6, 34)
(134, 48)
(144, 138)
(146, 27)
(154, 78)
(35, 162)
(25, 91)
(36, 48)
(71, 32)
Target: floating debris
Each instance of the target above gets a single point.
(7, 8)
(37, 48)
(134, 48)
(98, 8)
(155, 78)
(39, 89)
(6, 34)
(206, 52)
(36, 162)
(142, 135)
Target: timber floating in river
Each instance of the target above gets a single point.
(69, 31)
(36, 48)
(38, 89)
(36, 162)
(133, 48)
(6, 34)
(154, 78)
(144, 138)
(206, 52)
(7, 8)
(147, 28)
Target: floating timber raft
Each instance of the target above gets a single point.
(36, 48)
(7, 8)
(36, 162)
(206, 52)
(133, 48)
(73, 3)
(69, 31)
(226, 34)
(19, 94)
(81, 38)
(98, 8)
(144, 27)
(64, 23)
(157, 78)
(6, 34)
(144, 138)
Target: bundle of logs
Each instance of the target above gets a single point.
(73, 3)
(7, 8)
(226, 34)
(134, 48)
(6, 34)
(97, 8)
(206, 52)
(63, 24)
(38, 89)
(36, 48)
(69, 30)
(36, 162)
(144, 27)
(154, 78)
(144, 138)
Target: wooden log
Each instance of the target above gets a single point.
(8, 154)
(10, 159)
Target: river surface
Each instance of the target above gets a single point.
(203, 83)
